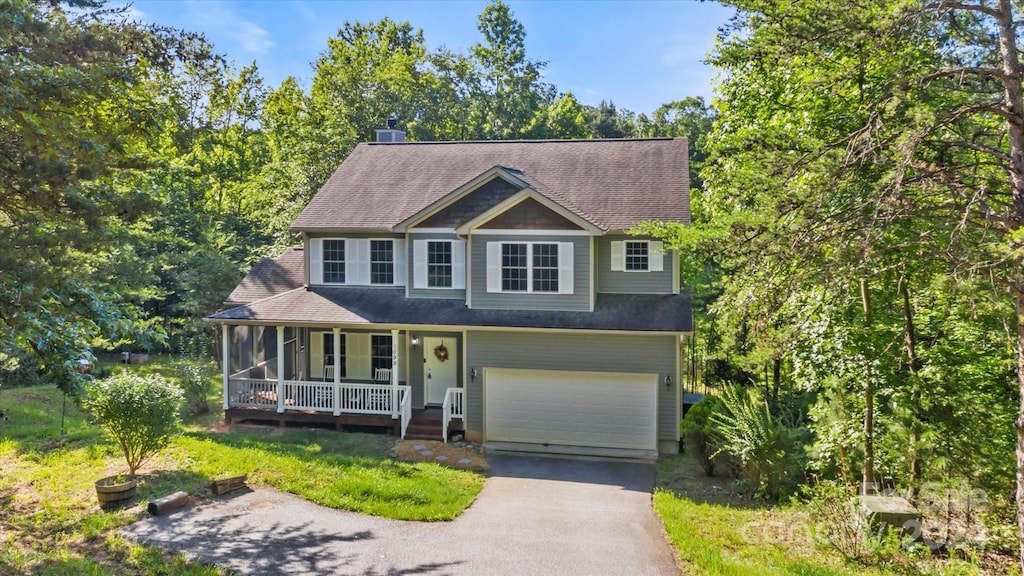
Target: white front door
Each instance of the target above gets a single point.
(438, 374)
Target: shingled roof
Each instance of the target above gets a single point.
(612, 183)
(270, 276)
(389, 306)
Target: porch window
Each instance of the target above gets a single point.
(329, 352)
(334, 261)
(515, 273)
(382, 262)
(545, 267)
(380, 350)
(439, 264)
(637, 256)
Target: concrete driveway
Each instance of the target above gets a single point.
(534, 516)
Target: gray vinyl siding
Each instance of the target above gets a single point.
(575, 352)
(447, 293)
(341, 235)
(416, 362)
(631, 282)
(481, 298)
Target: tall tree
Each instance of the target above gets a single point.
(838, 124)
(76, 119)
(510, 90)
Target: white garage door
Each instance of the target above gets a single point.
(599, 409)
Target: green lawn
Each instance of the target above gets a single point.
(50, 522)
(716, 532)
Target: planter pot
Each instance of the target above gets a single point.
(114, 491)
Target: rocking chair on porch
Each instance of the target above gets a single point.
(325, 396)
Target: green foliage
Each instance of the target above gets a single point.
(697, 428)
(770, 453)
(139, 413)
(193, 374)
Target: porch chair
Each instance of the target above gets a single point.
(381, 400)
(325, 396)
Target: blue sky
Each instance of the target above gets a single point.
(640, 54)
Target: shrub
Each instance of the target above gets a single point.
(195, 381)
(697, 430)
(770, 453)
(139, 413)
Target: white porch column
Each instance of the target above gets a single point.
(337, 372)
(225, 349)
(280, 369)
(394, 374)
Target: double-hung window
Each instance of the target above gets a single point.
(532, 267)
(380, 352)
(439, 264)
(637, 256)
(382, 262)
(334, 261)
(515, 268)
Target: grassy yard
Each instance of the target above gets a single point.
(718, 532)
(50, 522)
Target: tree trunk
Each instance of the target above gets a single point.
(915, 427)
(868, 485)
(1014, 106)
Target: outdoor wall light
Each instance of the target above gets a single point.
(668, 381)
(415, 342)
(472, 374)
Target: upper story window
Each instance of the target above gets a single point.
(637, 256)
(334, 262)
(357, 261)
(532, 267)
(382, 262)
(515, 270)
(545, 267)
(439, 264)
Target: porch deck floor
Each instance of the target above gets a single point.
(250, 414)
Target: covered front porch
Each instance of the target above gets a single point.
(336, 376)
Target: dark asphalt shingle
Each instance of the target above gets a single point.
(270, 276)
(611, 183)
(329, 306)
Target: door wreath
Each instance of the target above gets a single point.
(441, 352)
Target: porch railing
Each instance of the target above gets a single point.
(406, 407)
(452, 408)
(319, 396)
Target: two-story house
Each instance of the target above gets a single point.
(493, 280)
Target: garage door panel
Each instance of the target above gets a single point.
(598, 409)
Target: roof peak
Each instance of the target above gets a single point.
(554, 141)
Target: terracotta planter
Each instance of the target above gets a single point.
(114, 491)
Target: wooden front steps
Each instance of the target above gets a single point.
(426, 424)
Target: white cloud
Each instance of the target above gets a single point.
(217, 19)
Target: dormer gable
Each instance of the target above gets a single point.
(528, 209)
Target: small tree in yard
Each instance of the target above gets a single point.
(139, 413)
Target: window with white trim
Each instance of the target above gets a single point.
(380, 352)
(545, 267)
(334, 261)
(515, 267)
(382, 262)
(638, 256)
(530, 267)
(439, 264)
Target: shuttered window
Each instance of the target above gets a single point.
(334, 261)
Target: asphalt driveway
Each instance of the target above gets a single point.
(534, 516)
